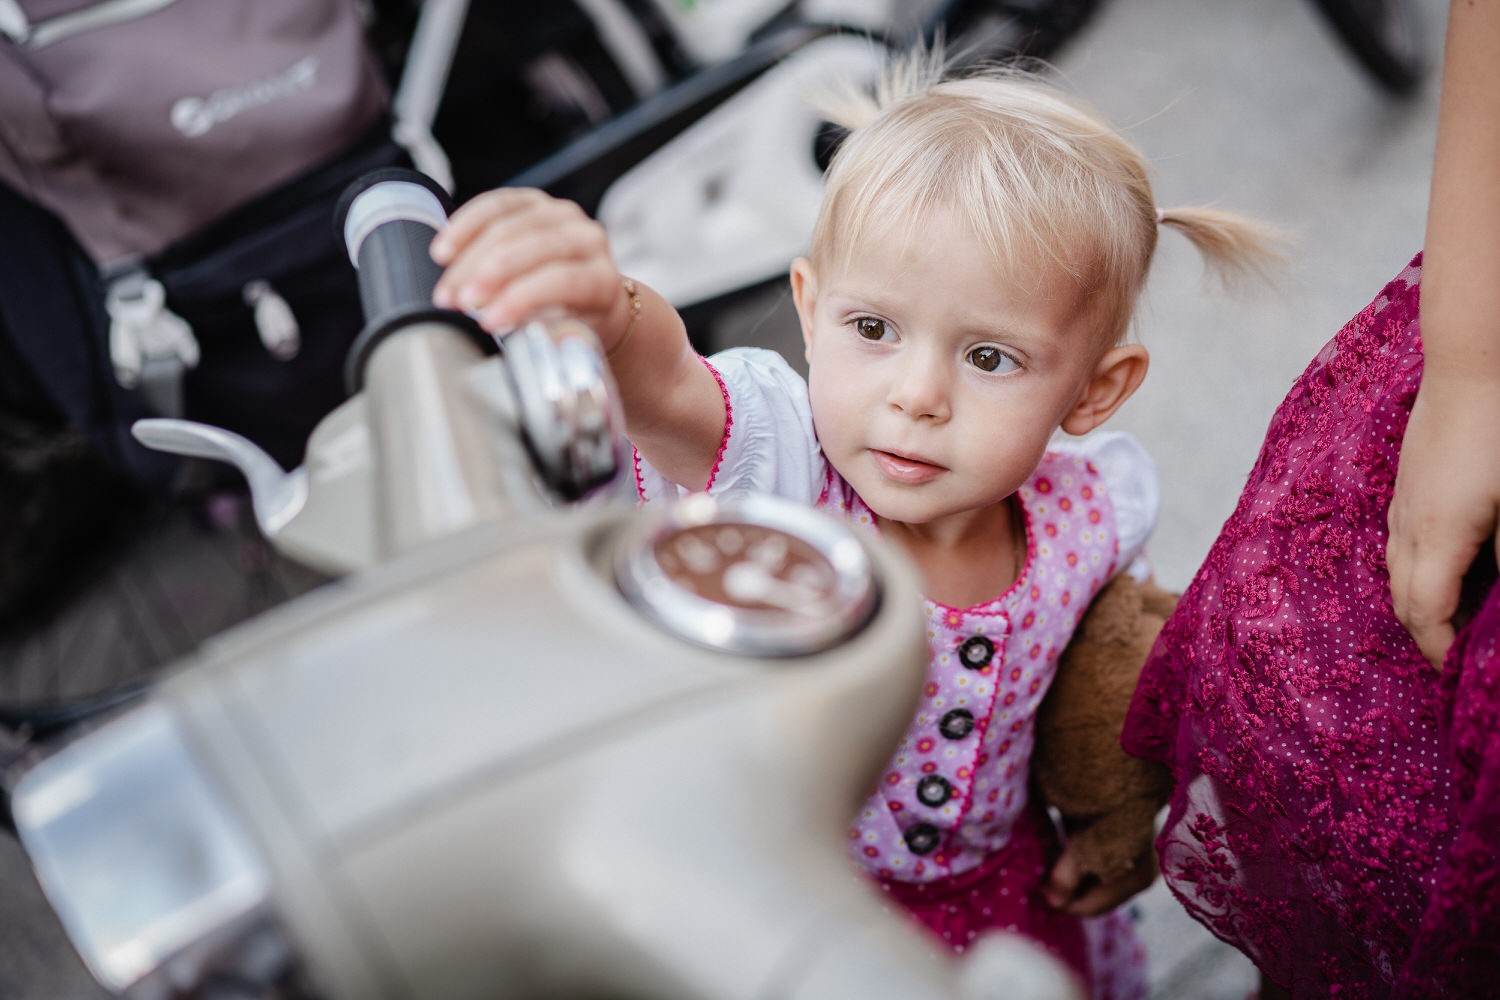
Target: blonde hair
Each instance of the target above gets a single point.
(1038, 173)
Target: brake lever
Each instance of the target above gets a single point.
(276, 496)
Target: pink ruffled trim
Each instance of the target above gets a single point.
(828, 475)
(1023, 578)
(713, 473)
(640, 484)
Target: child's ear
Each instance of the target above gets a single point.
(1117, 375)
(804, 297)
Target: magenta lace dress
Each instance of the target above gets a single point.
(1337, 811)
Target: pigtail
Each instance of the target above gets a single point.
(1235, 248)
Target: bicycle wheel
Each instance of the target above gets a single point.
(1382, 36)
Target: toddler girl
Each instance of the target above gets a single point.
(967, 292)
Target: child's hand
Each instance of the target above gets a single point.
(1072, 889)
(513, 252)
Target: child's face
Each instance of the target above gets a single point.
(937, 379)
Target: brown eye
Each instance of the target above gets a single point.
(991, 359)
(870, 328)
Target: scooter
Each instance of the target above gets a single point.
(534, 741)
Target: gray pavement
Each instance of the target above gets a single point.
(1253, 107)
(1250, 106)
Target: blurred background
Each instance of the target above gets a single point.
(1252, 106)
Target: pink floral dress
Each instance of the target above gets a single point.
(1337, 810)
(952, 833)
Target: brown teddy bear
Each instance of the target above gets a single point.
(1107, 799)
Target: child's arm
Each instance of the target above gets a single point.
(512, 253)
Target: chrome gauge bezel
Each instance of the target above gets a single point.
(766, 632)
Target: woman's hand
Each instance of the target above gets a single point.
(1447, 503)
(1448, 489)
(513, 252)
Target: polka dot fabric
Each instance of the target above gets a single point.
(951, 831)
(1316, 809)
(993, 661)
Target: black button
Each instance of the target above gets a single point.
(922, 838)
(976, 652)
(957, 724)
(934, 790)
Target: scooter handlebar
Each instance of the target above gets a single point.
(388, 219)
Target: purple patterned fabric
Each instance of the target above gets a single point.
(1337, 810)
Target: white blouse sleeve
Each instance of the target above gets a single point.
(1129, 474)
(769, 444)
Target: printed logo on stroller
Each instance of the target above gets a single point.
(195, 116)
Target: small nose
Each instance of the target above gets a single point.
(919, 386)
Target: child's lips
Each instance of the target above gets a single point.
(905, 468)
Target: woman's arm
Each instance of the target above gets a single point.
(1447, 500)
(512, 253)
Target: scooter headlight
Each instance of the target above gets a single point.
(153, 876)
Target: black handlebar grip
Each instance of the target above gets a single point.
(387, 220)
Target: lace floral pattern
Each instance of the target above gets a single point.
(1336, 809)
